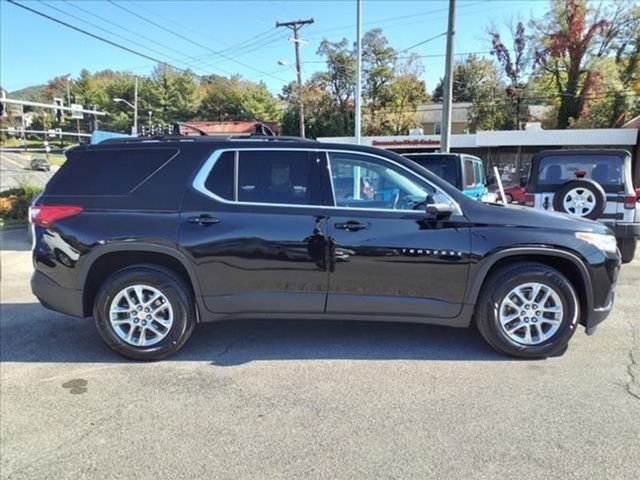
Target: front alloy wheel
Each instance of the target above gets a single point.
(531, 313)
(527, 310)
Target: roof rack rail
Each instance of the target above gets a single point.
(205, 138)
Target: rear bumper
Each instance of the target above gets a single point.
(53, 296)
(625, 230)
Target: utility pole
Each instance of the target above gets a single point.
(135, 108)
(358, 126)
(68, 76)
(295, 26)
(445, 129)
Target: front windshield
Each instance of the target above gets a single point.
(440, 165)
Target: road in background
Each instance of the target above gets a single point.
(274, 400)
(14, 171)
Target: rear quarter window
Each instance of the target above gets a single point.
(107, 172)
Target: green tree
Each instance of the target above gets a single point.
(236, 99)
(469, 76)
(379, 61)
(338, 81)
(172, 95)
(406, 92)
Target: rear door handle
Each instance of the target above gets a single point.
(351, 226)
(203, 219)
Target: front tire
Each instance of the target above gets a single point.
(144, 312)
(527, 310)
(627, 248)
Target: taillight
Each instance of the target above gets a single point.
(47, 215)
(529, 199)
(630, 201)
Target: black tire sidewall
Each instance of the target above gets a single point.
(508, 198)
(176, 293)
(501, 284)
(627, 247)
(593, 187)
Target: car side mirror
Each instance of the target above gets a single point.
(439, 210)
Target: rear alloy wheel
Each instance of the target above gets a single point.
(508, 198)
(141, 315)
(144, 312)
(627, 248)
(528, 310)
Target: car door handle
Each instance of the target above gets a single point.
(351, 226)
(203, 220)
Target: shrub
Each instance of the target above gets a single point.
(14, 203)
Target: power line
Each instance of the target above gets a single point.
(97, 37)
(112, 33)
(187, 39)
(173, 22)
(430, 39)
(106, 20)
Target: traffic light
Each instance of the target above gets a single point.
(91, 119)
(58, 102)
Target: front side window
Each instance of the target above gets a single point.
(361, 181)
(469, 174)
(479, 173)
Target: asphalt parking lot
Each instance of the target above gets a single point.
(269, 400)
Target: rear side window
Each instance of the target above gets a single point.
(107, 172)
(280, 177)
(607, 170)
(220, 181)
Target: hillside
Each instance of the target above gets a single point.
(32, 93)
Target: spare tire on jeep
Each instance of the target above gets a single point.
(581, 198)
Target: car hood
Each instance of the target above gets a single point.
(520, 216)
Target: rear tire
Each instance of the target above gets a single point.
(508, 198)
(150, 295)
(627, 248)
(552, 322)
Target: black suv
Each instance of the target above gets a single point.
(151, 237)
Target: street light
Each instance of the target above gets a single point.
(134, 105)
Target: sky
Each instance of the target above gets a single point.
(227, 37)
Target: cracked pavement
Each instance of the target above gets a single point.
(272, 400)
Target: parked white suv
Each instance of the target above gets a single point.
(594, 184)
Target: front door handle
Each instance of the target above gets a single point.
(204, 219)
(351, 226)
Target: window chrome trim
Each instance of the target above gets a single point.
(203, 173)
